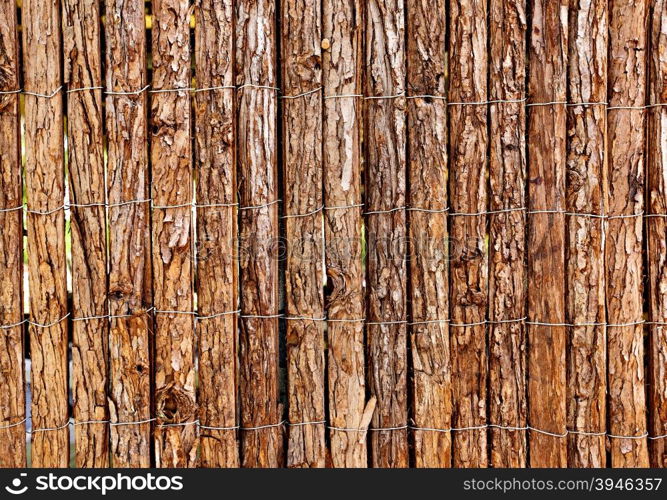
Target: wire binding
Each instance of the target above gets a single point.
(307, 214)
(45, 96)
(290, 97)
(257, 207)
(128, 92)
(197, 423)
(219, 87)
(83, 89)
(388, 211)
(175, 89)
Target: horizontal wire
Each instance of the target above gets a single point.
(198, 424)
(262, 316)
(343, 207)
(304, 318)
(346, 320)
(366, 97)
(219, 87)
(307, 214)
(82, 89)
(45, 96)
(256, 207)
(289, 97)
(218, 315)
(127, 92)
(195, 205)
(387, 211)
(175, 89)
(197, 317)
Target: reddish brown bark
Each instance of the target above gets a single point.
(217, 274)
(547, 83)
(507, 233)
(341, 76)
(301, 64)
(656, 231)
(386, 231)
(12, 378)
(45, 187)
(129, 237)
(468, 255)
(427, 164)
(625, 133)
(258, 193)
(171, 182)
(82, 60)
(586, 178)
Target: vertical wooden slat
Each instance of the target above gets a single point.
(468, 255)
(172, 249)
(625, 145)
(385, 134)
(83, 70)
(258, 195)
(301, 63)
(12, 377)
(429, 287)
(586, 125)
(217, 274)
(342, 72)
(129, 237)
(45, 183)
(547, 83)
(507, 232)
(656, 231)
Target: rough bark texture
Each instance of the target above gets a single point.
(386, 231)
(427, 166)
(258, 187)
(12, 378)
(507, 232)
(302, 165)
(625, 133)
(657, 229)
(129, 238)
(468, 247)
(217, 273)
(45, 186)
(586, 178)
(342, 72)
(171, 182)
(547, 82)
(82, 62)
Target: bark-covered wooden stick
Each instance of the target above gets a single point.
(171, 185)
(468, 251)
(217, 269)
(301, 63)
(12, 378)
(258, 195)
(342, 76)
(625, 146)
(657, 231)
(83, 69)
(387, 232)
(427, 173)
(130, 289)
(45, 188)
(507, 231)
(547, 82)
(586, 188)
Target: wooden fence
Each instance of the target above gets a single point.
(343, 233)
